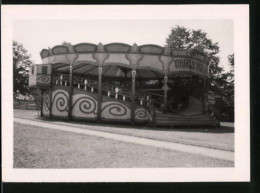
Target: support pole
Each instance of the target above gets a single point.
(70, 92)
(203, 96)
(207, 93)
(133, 98)
(41, 113)
(165, 88)
(51, 85)
(99, 93)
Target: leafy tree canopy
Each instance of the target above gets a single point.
(64, 43)
(229, 87)
(21, 63)
(220, 83)
(183, 38)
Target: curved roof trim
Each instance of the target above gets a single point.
(60, 50)
(85, 48)
(118, 47)
(151, 49)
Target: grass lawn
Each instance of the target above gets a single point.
(36, 147)
(217, 138)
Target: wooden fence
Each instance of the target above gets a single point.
(23, 104)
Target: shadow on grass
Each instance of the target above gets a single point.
(193, 129)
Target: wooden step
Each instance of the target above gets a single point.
(177, 115)
(184, 118)
(188, 123)
(178, 120)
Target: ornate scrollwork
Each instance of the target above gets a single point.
(115, 109)
(85, 104)
(141, 114)
(43, 78)
(60, 100)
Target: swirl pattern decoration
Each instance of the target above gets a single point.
(115, 110)
(43, 79)
(141, 114)
(85, 104)
(46, 103)
(60, 101)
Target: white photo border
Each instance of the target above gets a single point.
(238, 13)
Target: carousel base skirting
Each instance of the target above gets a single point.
(85, 104)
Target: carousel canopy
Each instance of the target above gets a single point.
(118, 60)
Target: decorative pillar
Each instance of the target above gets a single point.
(99, 93)
(71, 57)
(165, 88)
(70, 92)
(133, 98)
(51, 85)
(134, 57)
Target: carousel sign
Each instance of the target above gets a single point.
(190, 65)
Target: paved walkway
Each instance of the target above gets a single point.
(219, 154)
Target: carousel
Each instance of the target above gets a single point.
(117, 82)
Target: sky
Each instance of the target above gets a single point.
(36, 35)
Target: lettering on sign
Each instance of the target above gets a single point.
(189, 64)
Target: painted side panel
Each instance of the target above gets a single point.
(115, 111)
(149, 61)
(117, 59)
(142, 114)
(43, 79)
(86, 58)
(60, 98)
(84, 106)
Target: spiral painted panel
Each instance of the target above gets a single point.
(46, 103)
(84, 106)
(60, 103)
(115, 110)
(141, 114)
(43, 78)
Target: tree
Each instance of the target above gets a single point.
(229, 87)
(183, 38)
(21, 63)
(231, 63)
(179, 38)
(227, 92)
(222, 84)
(225, 83)
(64, 43)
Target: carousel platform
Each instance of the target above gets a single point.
(174, 120)
(189, 117)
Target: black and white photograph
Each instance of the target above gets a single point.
(125, 93)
